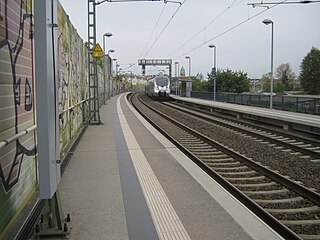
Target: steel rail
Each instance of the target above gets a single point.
(301, 190)
(306, 140)
(269, 139)
(265, 216)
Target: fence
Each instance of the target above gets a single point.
(301, 104)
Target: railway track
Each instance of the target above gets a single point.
(290, 208)
(304, 147)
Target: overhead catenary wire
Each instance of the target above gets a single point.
(155, 27)
(291, 2)
(155, 41)
(228, 30)
(130, 66)
(204, 28)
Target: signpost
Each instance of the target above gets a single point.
(213, 71)
(98, 52)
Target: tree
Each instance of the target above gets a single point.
(197, 85)
(285, 77)
(266, 82)
(231, 81)
(310, 72)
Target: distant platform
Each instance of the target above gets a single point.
(287, 120)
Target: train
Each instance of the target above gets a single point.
(158, 87)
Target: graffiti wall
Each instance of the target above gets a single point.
(17, 110)
(73, 80)
(18, 162)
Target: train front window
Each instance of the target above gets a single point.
(162, 82)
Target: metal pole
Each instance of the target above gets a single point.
(110, 75)
(189, 67)
(104, 70)
(131, 81)
(176, 70)
(214, 70)
(215, 75)
(271, 83)
(113, 61)
(267, 22)
(54, 223)
(48, 134)
(116, 77)
(177, 88)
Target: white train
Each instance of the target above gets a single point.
(158, 87)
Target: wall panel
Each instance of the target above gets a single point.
(18, 163)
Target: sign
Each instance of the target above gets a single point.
(157, 62)
(213, 71)
(97, 52)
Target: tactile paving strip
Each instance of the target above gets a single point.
(166, 220)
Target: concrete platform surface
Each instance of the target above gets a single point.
(126, 181)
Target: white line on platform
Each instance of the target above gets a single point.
(255, 227)
(166, 220)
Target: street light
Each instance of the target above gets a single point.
(117, 65)
(189, 58)
(131, 81)
(214, 70)
(110, 51)
(115, 60)
(177, 76)
(104, 68)
(108, 34)
(267, 22)
(117, 77)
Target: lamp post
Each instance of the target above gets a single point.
(214, 71)
(177, 76)
(189, 58)
(115, 60)
(131, 81)
(109, 80)
(104, 67)
(108, 34)
(267, 22)
(117, 75)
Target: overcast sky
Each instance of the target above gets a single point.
(245, 48)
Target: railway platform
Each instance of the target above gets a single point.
(126, 181)
(284, 119)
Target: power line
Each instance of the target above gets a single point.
(131, 65)
(203, 29)
(230, 29)
(274, 3)
(166, 25)
(164, 6)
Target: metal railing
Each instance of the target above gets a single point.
(9, 140)
(301, 104)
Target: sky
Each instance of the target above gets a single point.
(155, 30)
